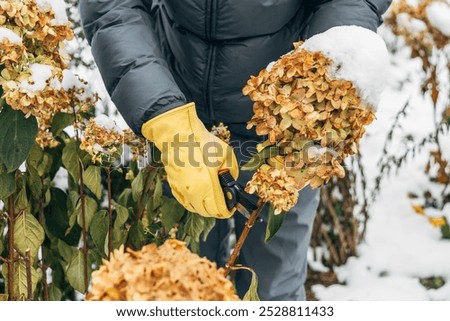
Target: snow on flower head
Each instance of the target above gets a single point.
(411, 24)
(438, 13)
(58, 7)
(107, 123)
(102, 139)
(359, 55)
(11, 36)
(40, 73)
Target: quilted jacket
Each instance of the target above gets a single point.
(155, 55)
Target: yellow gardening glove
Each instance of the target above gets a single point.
(192, 157)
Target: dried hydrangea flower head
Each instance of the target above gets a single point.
(221, 131)
(314, 118)
(166, 273)
(423, 25)
(35, 79)
(275, 186)
(138, 145)
(102, 139)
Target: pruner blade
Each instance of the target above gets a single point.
(235, 196)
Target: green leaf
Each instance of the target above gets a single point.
(91, 209)
(20, 279)
(122, 215)
(54, 294)
(66, 251)
(34, 182)
(252, 292)
(136, 236)
(274, 223)
(57, 218)
(197, 224)
(61, 121)
(93, 180)
(119, 237)
(99, 230)
(157, 195)
(445, 231)
(28, 234)
(71, 160)
(75, 272)
(209, 223)
(137, 186)
(7, 184)
(35, 157)
(17, 135)
(22, 197)
(260, 158)
(39, 160)
(126, 198)
(171, 212)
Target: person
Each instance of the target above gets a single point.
(176, 67)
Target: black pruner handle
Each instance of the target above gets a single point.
(235, 196)
(229, 190)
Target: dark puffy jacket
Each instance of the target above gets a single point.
(160, 54)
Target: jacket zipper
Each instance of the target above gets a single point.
(210, 31)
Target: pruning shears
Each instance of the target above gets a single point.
(235, 196)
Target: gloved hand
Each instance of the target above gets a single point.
(192, 157)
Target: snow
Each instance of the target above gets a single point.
(411, 24)
(61, 179)
(316, 151)
(359, 55)
(438, 13)
(107, 123)
(40, 73)
(58, 7)
(11, 36)
(270, 66)
(316, 265)
(72, 81)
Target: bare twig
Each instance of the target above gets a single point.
(334, 257)
(110, 218)
(43, 265)
(248, 225)
(29, 280)
(44, 282)
(10, 263)
(337, 226)
(84, 249)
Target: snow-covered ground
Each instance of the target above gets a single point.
(400, 246)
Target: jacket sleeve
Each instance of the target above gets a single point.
(332, 13)
(125, 49)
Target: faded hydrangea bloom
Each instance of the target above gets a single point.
(221, 131)
(102, 139)
(314, 120)
(166, 273)
(417, 24)
(275, 186)
(138, 145)
(35, 79)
